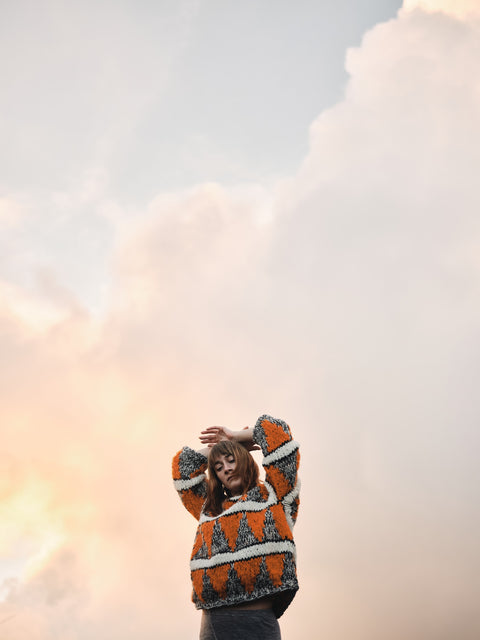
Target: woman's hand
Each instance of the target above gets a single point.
(212, 435)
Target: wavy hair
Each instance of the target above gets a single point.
(246, 468)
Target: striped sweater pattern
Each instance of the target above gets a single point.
(247, 552)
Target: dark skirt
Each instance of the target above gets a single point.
(239, 624)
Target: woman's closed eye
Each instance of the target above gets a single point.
(219, 465)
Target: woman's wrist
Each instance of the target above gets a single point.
(244, 435)
(245, 438)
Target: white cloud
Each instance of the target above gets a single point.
(457, 8)
(380, 225)
(11, 211)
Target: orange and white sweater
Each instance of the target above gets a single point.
(247, 552)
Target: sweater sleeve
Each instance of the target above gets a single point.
(281, 458)
(188, 469)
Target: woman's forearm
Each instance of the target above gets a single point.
(244, 436)
(213, 435)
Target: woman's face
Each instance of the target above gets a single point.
(225, 466)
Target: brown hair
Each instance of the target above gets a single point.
(246, 468)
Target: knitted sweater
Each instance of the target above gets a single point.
(247, 552)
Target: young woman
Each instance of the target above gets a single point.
(243, 559)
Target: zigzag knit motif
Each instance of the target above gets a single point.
(247, 552)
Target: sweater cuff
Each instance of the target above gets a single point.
(188, 463)
(270, 433)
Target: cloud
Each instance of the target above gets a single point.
(378, 232)
(82, 518)
(457, 8)
(344, 300)
(11, 211)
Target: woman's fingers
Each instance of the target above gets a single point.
(208, 438)
(212, 435)
(212, 431)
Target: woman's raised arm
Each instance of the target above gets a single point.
(212, 435)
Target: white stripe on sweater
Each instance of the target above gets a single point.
(262, 549)
(182, 485)
(248, 505)
(282, 452)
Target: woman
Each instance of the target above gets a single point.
(243, 559)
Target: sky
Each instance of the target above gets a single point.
(213, 210)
